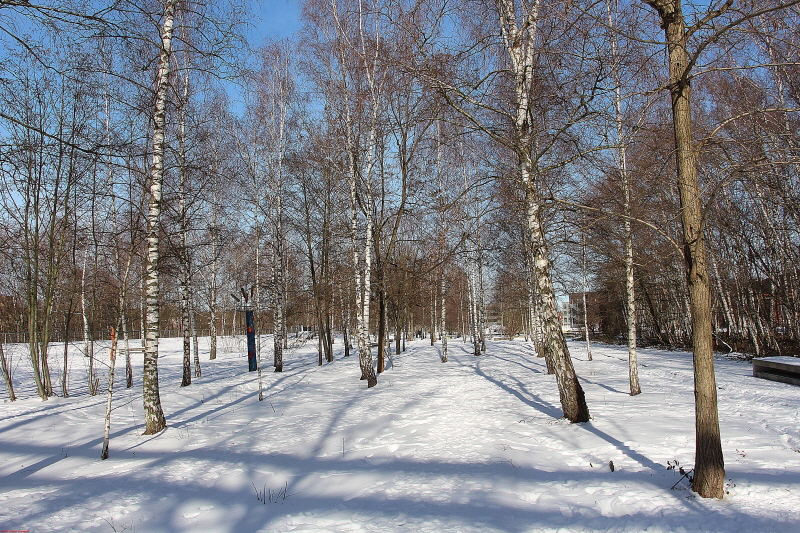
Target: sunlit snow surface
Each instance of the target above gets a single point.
(472, 445)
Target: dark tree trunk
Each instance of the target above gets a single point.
(709, 469)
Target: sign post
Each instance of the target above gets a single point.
(251, 340)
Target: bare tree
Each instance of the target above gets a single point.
(112, 355)
(154, 415)
(622, 166)
(6, 374)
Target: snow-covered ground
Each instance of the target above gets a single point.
(472, 445)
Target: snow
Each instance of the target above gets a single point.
(472, 445)
(782, 359)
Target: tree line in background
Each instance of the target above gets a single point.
(402, 167)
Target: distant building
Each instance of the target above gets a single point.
(573, 315)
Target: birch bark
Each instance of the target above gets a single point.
(519, 38)
(153, 413)
(443, 314)
(88, 343)
(6, 374)
(183, 254)
(113, 361)
(212, 304)
(586, 307)
(622, 166)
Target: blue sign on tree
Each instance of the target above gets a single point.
(251, 341)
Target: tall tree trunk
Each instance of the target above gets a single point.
(398, 333)
(573, 401)
(187, 343)
(278, 282)
(433, 315)
(126, 339)
(195, 346)
(443, 317)
(6, 374)
(151, 399)
(630, 301)
(345, 322)
(44, 351)
(481, 298)
(214, 266)
(33, 343)
(622, 166)
(278, 318)
(381, 320)
(257, 304)
(328, 337)
(113, 357)
(143, 305)
(519, 38)
(183, 255)
(709, 469)
(212, 351)
(67, 320)
(88, 343)
(473, 305)
(630, 294)
(32, 243)
(585, 306)
(364, 344)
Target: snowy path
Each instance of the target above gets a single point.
(472, 445)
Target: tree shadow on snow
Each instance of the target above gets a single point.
(490, 496)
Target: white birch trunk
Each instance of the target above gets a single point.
(184, 266)
(364, 345)
(6, 374)
(88, 343)
(257, 305)
(143, 306)
(184, 248)
(473, 305)
(279, 112)
(481, 300)
(585, 307)
(520, 40)
(433, 315)
(630, 294)
(214, 267)
(153, 414)
(443, 315)
(278, 281)
(369, 59)
(345, 312)
(195, 346)
(113, 357)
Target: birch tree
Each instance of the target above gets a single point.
(183, 221)
(154, 415)
(112, 355)
(276, 92)
(622, 167)
(4, 366)
(355, 78)
(516, 121)
(518, 24)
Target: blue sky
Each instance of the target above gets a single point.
(274, 18)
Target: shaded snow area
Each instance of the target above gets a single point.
(472, 445)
